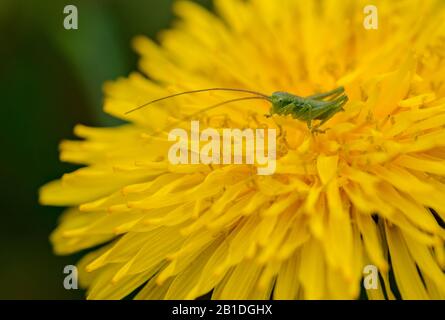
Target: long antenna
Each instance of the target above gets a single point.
(210, 108)
(197, 91)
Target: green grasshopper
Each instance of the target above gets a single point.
(322, 106)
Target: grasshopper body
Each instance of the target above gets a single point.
(321, 106)
(317, 107)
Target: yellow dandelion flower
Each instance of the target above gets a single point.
(368, 191)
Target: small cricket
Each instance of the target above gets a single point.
(321, 106)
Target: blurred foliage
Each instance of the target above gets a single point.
(50, 80)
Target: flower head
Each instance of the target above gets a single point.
(369, 190)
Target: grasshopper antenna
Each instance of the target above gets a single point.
(210, 108)
(198, 91)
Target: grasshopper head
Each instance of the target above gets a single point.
(280, 100)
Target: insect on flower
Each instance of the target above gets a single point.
(322, 106)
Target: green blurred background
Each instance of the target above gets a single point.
(50, 80)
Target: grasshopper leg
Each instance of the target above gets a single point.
(309, 121)
(333, 93)
(337, 105)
